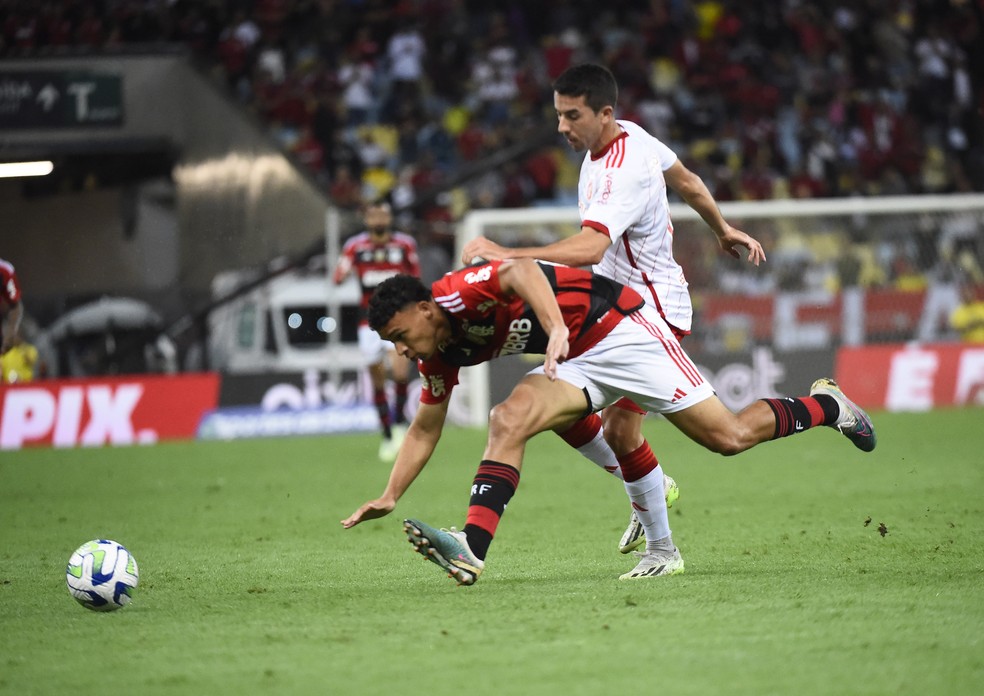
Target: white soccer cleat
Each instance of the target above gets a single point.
(654, 564)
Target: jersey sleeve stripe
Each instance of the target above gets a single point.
(597, 226)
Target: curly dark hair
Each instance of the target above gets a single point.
(594, 82)
(392, 295)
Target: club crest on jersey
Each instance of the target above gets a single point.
(517, 338)
(607, 193)
(478, 333)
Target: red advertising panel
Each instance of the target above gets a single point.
(913, 377)
(138, 409)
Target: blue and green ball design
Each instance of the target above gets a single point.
(102, 575)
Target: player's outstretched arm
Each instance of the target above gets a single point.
(691, 188)
(582, 249)
(416, 450)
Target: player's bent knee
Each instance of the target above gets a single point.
(510, 420)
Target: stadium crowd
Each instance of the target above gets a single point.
(396, 98)
(793, 99)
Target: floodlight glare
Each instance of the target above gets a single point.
(13, 169)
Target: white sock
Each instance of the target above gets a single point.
(600, 452)
(649, 502)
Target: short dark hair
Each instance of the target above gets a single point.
(392, 295)
(594, 82)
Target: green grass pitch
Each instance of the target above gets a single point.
(249, 585)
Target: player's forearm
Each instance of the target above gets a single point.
(694, 192)
(583, 249)
(415, 452)
(704, 204)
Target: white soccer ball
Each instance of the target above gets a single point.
(102, 575)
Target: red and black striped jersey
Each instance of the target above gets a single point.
(373, 263)
(487, 323)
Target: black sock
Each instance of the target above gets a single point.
(492, 489)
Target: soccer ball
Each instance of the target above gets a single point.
(102, 575)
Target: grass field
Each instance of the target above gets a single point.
(249, 585)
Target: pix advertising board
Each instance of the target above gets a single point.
(137, 409)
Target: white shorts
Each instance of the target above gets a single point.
(373, 348)
(642, 360)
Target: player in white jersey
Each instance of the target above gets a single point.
(627, 235)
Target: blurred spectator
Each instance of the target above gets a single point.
(345, 190)
(356, 79)
(968, 317)
(20, 363)
(309, 151)
(406, 52)
(11, 307)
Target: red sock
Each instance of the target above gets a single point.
(796, 415)
(583, 431)
(637, 463)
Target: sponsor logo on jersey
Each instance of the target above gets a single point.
(607, 192)
(434, 384)
(479, 276)
(517, 338)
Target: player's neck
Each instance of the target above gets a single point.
(609, 135)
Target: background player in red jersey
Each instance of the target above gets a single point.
(10, 305)
(373, 255)
(601, 342)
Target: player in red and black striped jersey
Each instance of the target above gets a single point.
(373, 255)
(10, 305)
(601, 342)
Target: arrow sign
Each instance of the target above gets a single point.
(47, 96)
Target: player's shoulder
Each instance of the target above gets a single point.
(357, 239)
(638, 140)
(405, 239)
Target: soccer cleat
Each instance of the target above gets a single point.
(447, 548)
(671, 491)
(388, 449)
(654, 564)
(635, 535)
(398, 433)
(853, 422)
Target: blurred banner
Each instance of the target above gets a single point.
(129, 410)
(913, 377)
(66, 99)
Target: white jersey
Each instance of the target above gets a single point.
(622, 193)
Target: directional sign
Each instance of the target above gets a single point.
(60, 99)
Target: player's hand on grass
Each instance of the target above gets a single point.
(482, 248)
(369, 511)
